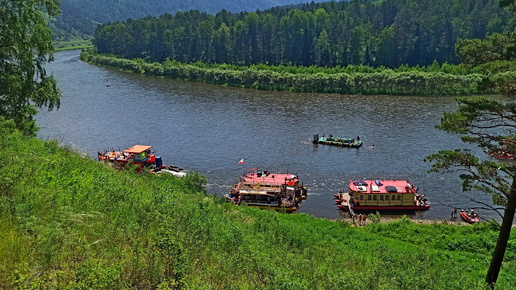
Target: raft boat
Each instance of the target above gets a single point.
(275, 180)
(381, 194)
(503, 155)
(143, 157)
(507, 149)
(337, 141)
(139, 155)
(258, 195)
(470, 218)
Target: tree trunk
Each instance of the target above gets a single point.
(503, 238)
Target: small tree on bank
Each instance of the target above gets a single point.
(25, 46)
(490, 124)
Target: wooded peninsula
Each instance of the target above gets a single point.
(357, 47)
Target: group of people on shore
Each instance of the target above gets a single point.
(454, 213)
(361, 218)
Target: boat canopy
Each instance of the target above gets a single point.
(360, 183)
(137, 149)
(390, 188)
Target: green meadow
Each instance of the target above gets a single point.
(69, 222)
(72, 44)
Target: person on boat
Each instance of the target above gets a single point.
(358, 138)
(419, 199)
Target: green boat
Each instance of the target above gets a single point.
(337, 141)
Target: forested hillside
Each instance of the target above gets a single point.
(80, 17)
(384, 33)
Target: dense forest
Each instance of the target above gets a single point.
(81, 17)
(377, 33)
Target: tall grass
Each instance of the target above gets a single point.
(69, 222)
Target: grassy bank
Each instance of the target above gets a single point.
(444, 81)
(70, 222)
(72, 44)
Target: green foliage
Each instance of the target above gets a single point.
(69, 222)
(375, 218)
(25, 47)
(425, 81)
(496, 47)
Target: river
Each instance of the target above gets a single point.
(209, 128)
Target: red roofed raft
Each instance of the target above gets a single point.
(381, 194)
(268, 190)
(143, 157)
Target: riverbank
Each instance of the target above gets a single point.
(383, 81)
(452, 222)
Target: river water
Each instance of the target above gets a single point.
(209, 128)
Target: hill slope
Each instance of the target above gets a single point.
(70, 222)
(387, 33)
(80, 17)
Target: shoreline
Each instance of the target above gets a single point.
(455, 221)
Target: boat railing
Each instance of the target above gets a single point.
(380, 177)
(263, 184)
(253, 190)
(255, 170)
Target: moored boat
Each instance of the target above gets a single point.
(470, 218)
(338, 141)
(381, 194)
(139, 155)
(507, 149)
(258, 195)
(503, 155)
(274, 180)
(143, 157)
